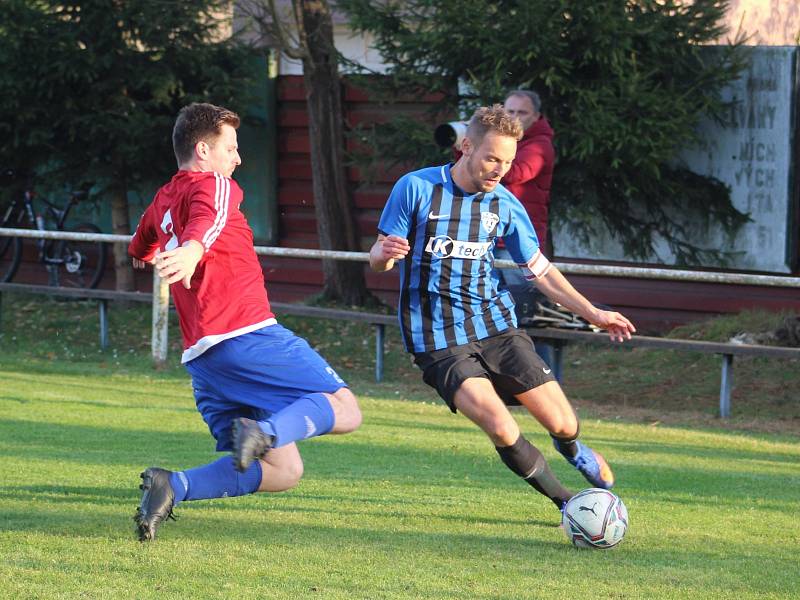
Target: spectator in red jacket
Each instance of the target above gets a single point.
(529, 180)
(532, 170)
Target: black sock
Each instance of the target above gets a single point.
(527, 462)
(567, 446)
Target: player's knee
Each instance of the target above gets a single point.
(566, 427)
(291, 473)
(348, 413)
(294, 473)
(503, 432)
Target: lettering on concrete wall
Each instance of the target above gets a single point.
(752, 153)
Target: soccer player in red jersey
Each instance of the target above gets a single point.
(259, 387)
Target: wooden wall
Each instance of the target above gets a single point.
(655, 305)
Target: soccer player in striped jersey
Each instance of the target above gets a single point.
(258, 387)
(441, 225)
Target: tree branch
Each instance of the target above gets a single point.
(271, 27)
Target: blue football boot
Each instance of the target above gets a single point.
(592, 466)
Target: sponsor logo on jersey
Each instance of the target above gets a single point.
(443, 246)
(434, 217)
(489, 220)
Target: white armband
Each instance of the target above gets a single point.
(537, 267)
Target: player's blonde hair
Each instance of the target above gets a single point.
(493, 118)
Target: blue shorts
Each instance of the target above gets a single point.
(255, 375)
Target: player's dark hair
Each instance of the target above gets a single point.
(536, 101)
(199, 122)
(493, 118)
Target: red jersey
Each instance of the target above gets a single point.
(227, 297)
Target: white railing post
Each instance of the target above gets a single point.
(160, 320)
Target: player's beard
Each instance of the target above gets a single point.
(479, 182)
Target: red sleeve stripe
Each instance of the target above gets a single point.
(537, 267)
(222, 195)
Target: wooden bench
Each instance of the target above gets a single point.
(102, 296)
(559, 338)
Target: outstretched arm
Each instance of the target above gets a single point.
(144, 243)
(556, 287)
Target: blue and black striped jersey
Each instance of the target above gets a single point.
(448, 285)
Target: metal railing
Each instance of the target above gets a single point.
(570, 268)
(161, 291)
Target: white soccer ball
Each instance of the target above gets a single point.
(595, 518)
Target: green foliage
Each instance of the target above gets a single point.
(402, 140)
(623, 83)
(89, 89)
(722, 328)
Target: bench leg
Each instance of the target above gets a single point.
(552, 353)
(558, 359)
(546, 351)
(379, 339)
(103, 306)
(726, 386)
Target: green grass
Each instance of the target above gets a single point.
(415, 504)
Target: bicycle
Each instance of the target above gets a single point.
(534, 309)
(69, 263)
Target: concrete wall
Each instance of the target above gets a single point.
(754, 152)
(767, 22)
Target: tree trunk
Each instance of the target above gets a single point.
(336, 226)
(120, 224)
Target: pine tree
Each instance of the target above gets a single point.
(89, 90)
(624, 84)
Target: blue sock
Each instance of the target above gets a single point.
(310, 416)
(215, 480)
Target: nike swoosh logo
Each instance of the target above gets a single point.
(546, 371)
(434, 217)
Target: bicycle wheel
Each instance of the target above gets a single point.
(84, 262)
(10, 247)
(10, 256)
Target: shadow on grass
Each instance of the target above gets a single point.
(112, 404)
(711, 450)
(384, 539)
(356, 461)
(122, 390)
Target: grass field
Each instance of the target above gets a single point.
(413, 505)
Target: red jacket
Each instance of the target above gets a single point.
(227, 296)
(531, 173)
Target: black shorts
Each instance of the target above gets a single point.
(508, 360)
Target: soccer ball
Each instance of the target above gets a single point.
(595, 518)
